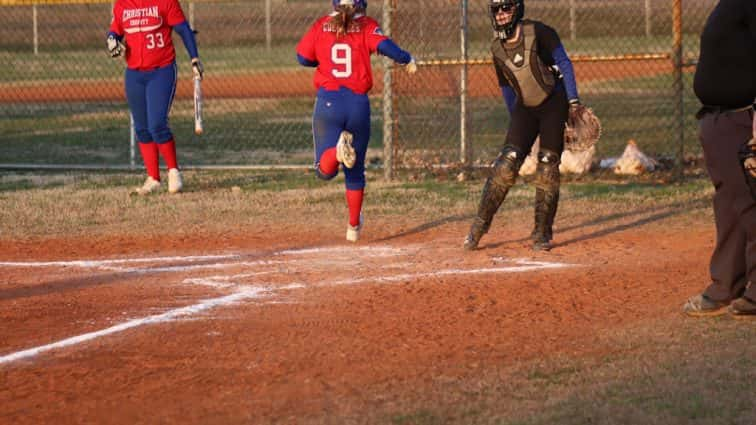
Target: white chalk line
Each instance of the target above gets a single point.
(246, 292)
(103, 263)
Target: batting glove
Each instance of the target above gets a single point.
(115, 47)
(411, 67)
(197, 69)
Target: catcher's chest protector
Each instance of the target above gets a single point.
(533, 80)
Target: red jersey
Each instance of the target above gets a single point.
(146, 26)
(343, 61)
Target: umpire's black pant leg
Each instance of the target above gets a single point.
(734, 255)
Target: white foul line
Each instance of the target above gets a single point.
(247, 292)
(102, 263)
(243, 292)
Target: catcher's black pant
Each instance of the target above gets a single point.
(546, 120)
(733, 263)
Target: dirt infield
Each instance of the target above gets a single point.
(291, 326)
(438, 81)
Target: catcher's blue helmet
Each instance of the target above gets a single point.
(358, 4)
(506, 30)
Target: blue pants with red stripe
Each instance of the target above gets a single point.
(336, 111)
(150, 95)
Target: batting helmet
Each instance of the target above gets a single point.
(494, 6)
(358, 4)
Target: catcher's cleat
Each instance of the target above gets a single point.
(345, 153)
(470, 243)
(353, 232)
(175, 184)
(150, 186)
(743, 308)
(535, 237)
(702, 306)
(542, 244)
(478, 228)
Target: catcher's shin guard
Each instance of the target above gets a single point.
(504, 173)
(546, 199)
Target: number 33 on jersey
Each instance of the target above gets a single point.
(146, 26)
(348, 56)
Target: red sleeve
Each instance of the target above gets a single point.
(173, 13)
(373, 35)
(306, 46)
(116, 23)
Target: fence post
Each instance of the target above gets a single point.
(678, 82)
(648, 17)
(35, 29)
(573, 19)
(191, 15)
(465, 147)
(268, 32)
(388, 122)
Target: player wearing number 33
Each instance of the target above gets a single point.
(141, 30)
(339, 45)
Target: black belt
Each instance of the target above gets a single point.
(709, 109)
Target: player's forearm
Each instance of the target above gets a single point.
(568, 73)
(389, 49)
(306, 62)
(187, 35)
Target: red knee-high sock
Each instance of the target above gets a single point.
(354, 201)
(168, 152)
(149, 152)
(328, 163)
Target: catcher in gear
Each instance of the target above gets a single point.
(538, 84)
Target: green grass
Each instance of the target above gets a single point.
(665, 375)
(46, 203)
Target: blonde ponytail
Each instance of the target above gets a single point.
(343, 19)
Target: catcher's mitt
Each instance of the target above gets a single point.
(582, 130)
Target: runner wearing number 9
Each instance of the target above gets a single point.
(339, 46)
(141, 29)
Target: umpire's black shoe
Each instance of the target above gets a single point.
(743, 308)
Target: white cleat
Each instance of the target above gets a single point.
(174, 181)
(353, 232)
(345, 153)
(150, 185)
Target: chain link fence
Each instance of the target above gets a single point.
(62, 101)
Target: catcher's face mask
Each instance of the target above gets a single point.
(510, 13)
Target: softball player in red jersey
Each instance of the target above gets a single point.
(141, 30)
(339, 45)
